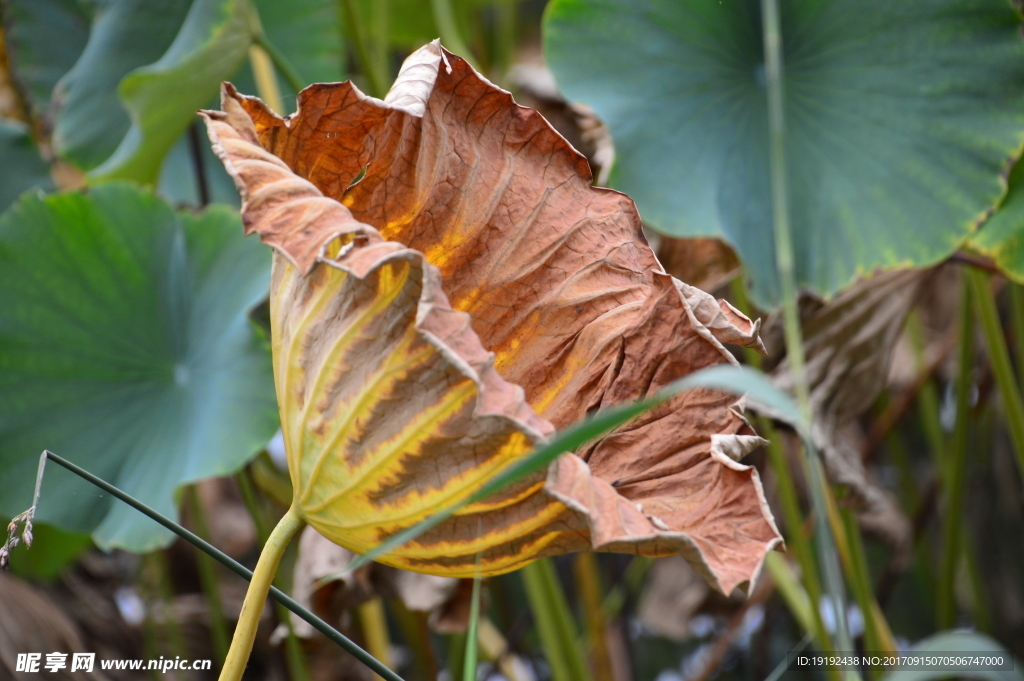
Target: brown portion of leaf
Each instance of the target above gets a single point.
(848, 343)
(556, 277)
(702, 262)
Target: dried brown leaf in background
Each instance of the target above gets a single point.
(849, 343)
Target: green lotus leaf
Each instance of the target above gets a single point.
(899, 118)
(162, 98)
(1002, 236)
(52, 550)
(125, 35)
(149, 66)
(126, 347)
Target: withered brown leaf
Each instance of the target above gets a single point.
(556, 280)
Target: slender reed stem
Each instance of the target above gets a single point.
(256, 596)
(551, 614)
(1017, 327)
(375, 630)
(262, 66)
(505, 36)
(456, 654)
(416, 633)
(161, 591)
(795, 596)
(379, 41)
(861, 587)
(266, 80)
(828, 549)
(795, 538)
(221, 557)
(472, 634)
(357, 34)
(955, 467)
(295, 81)
(784, 259)
(999, 359)
(982, 615)
(588, 584)
(294, 657)
(785, 266)
(444, 17)
(927, 397)
(195, 147)
(208, 578)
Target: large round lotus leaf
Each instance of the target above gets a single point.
(1002, 236)
(126, 347)
(900, 116)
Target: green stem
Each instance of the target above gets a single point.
(955, 468)
(588, 585)
(784, 260)
(928, 397)
(294, 657)
(551, 613)
(221, 557)
(374, 625)
(208, 578)
(456, 654)
(160, 589)
(472, 639)
(416, 633)
(828, 548)
(505, 36)
(861, 585)
(999, 358)
(982, 616)
(444, 17)
(295, 81)
(256, 596)
(380, 37)
(357, 34)
(262, 65)
(795, 596)
(795, 537)
(785, 266)
(1017, 326)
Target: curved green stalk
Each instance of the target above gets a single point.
(999, 358)
(372, 70)
(373, 622)
(225, 560)
(784, 263)
(444, 17)
(554, 624)
(208, 577)
(472, 634)
(796, 539)
(955, 466)
(294, 658)
(1017, 327)
(256, 596)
